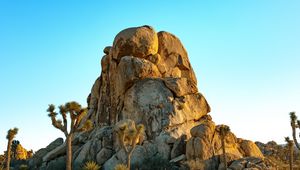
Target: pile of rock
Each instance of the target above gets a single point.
(37, 160)
(205, 145)
(147, 77)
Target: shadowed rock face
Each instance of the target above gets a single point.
(147, 77)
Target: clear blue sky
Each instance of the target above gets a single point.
(246, 55)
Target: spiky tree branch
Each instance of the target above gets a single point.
(76, 113)
(290, 145)
(129, 135)
(10, 136)
(294, 125)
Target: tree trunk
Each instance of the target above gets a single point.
(224, 153)
(291, 157)
(8, 153)
(294, 137)
(69, 152)
(128, 160)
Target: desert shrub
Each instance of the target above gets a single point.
(120, 167)
(91, 165)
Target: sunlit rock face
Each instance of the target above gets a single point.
(147, 77)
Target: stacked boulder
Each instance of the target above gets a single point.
(205, 146)
(147, 77)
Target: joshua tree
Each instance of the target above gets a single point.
(10, 136)
(223, 131)
(294, 124)
(76, 114)
(290, 145)
(129, 135)
(14, 146)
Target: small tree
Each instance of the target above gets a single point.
(294, 125)
(14, 146)
(290, 145)
(76, 113)
(224, 131)
(129, 135)
(11, 134)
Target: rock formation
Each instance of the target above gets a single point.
(147, 77)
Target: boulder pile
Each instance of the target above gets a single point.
(147, 77)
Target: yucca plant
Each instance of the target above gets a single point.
(121, 167)
(76, 113)
(129, 135)
(290, 145)
(11, 134)
(91, 165)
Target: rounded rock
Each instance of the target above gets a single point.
(136, 41)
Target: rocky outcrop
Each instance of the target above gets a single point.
(147, 77)
(206, 143)
(37, 159)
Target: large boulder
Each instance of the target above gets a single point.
(174, 57)
(180, 86)
(250, 149)
(131, 69)
(60, 150)
(137, 41)
(57, 142)
(150, 102)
